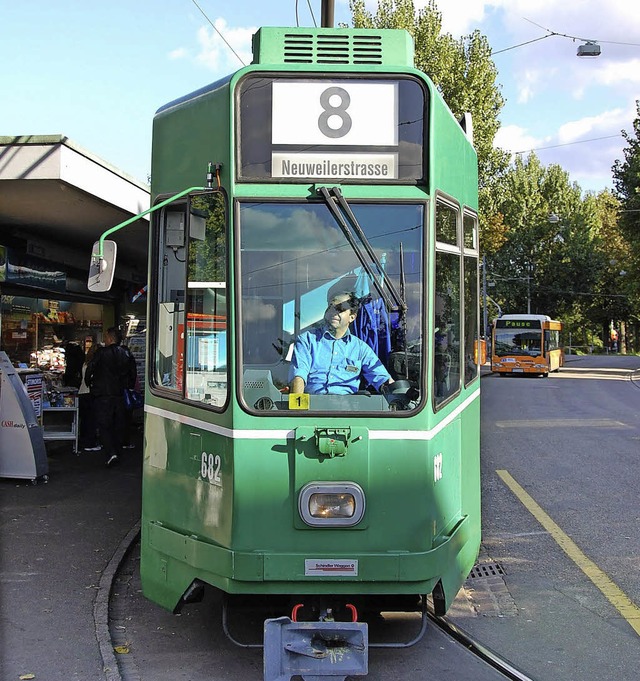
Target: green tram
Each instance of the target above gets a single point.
(332, 167)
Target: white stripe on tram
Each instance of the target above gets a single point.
(220, 430)
(255, 434)
(423, 434)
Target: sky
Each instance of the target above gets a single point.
(97, 72)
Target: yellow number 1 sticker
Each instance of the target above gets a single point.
(299, 401)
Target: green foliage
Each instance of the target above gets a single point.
(207, 261)
(549, 257)
(626, 178)
(626, 173)
(564, 254)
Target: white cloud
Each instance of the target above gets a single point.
(619, 73)
(459, 17)
(514, 138)
(586, 148)
(221, 55)
(602, 124)
(178, 53)
(528, 85)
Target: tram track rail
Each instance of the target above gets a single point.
(490, 657)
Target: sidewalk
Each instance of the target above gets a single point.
(59, 542)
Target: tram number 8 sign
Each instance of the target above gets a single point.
(338, 112)
(324, 115)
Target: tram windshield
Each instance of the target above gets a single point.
(304, 270)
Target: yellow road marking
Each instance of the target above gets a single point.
(612, 592)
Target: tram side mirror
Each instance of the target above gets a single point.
(102, 268)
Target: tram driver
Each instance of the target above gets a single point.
(330, 359)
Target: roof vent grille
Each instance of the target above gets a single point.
(328, 47)
(332, 49)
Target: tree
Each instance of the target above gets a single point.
(626, 180)
(549, 260)
(615, 293)
(626, 175)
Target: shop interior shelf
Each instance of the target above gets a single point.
(60, 423)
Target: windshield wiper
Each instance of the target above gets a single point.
(333, 198)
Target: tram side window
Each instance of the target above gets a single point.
(447, 337)
(191, 327)
(471, 348)
(471, 299)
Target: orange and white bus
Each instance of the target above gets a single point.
(526, 344)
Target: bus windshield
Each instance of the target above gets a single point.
(517, 342)
(295, 260)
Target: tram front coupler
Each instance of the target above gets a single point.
(323, 649)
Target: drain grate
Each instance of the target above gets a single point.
(488, 591)
(486, 570)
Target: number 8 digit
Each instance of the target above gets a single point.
(339, 111)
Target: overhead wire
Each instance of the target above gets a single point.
(528, 42)
(226, 42)
(551, 33)
(567, 144)
(575, 37)
(315, 25)
(218, 32)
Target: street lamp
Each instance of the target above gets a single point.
(589, 49)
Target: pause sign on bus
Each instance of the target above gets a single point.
(518, 324)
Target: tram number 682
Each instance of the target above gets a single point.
(210, 465)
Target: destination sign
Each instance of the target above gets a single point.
(371, 166)
(329, 114)
(518, 324)
(345, 129)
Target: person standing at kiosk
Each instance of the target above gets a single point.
(107, 375)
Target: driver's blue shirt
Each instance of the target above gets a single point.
(330, 365)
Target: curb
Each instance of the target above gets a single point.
(101, 606)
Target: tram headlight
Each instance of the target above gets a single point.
(322, 505)
(331, 504)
